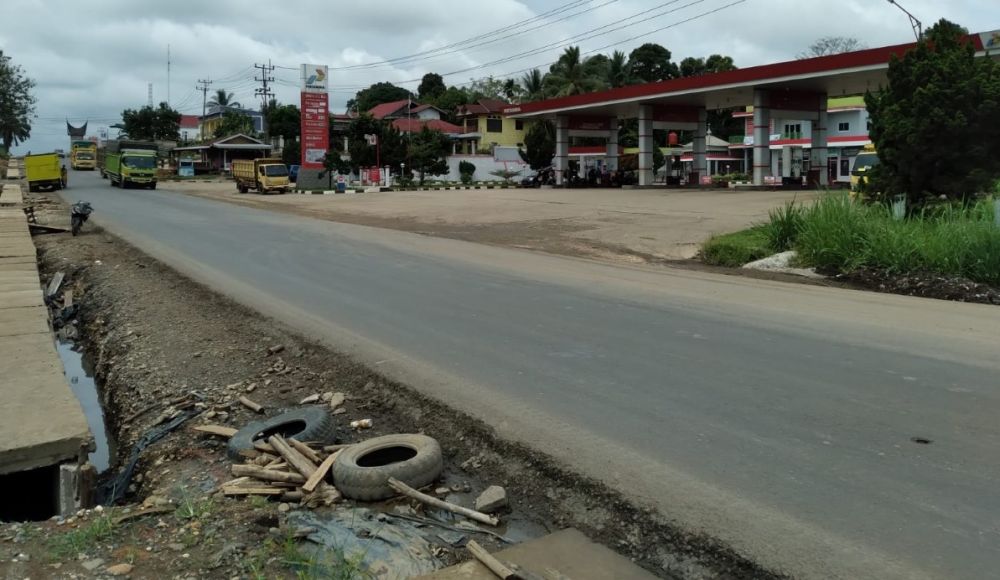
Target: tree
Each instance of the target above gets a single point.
(377, 94)
(831, 45)
(431, 85)
(333, 163)
(936, 125)
(427, 152)
(291, 153)
(283, 120)
(147, 123)
(715, 63)
(650, 63)
(223, 100)
(572, 76)
(488, 88)
(449, 101)
(618, 73)
(539, 145)
(17, 103)
(391, 147)
(532, 87)
(234, 122)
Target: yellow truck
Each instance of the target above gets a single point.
(83, 155)
(263, 175)
(44, 170)
(863, 163)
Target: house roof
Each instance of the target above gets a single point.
(189, 121)
(414, 125)
(385, 109)
(483, 107)
(419, 108)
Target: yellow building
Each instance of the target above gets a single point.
(485, 126)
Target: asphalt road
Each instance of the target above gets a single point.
(774, 416)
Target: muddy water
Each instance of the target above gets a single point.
(80, 375)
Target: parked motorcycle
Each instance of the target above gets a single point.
(79, 212)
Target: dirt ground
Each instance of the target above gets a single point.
(156, 339)
(634, 225)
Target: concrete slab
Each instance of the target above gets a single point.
(24, 320)
(567, 551)
(41, 421)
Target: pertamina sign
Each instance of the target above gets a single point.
(315, 106)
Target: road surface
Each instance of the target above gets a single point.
(777, 417)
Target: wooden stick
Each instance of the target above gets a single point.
(264, 447)
(490, 562)
(440, 504)
(332, 448)
(255, 407)
(320, 473)
(305, 450)
(261, 490)
(220, 430)
(292, 456)
(267, 474)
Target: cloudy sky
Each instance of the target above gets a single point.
(92, 59)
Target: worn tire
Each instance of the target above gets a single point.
(371, 483)
(306, 424)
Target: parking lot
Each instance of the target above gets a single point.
(620, 224)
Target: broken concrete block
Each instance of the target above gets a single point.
(491, 500)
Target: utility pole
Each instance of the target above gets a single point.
(264, 93)
(168, 74)
(150, 96)
(204, 103)
(918, 28)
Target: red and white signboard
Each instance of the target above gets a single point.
(315, 107)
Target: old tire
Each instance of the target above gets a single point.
(362, 471)
(306, 424)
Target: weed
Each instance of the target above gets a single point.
(784, 225)
(258, 501)
(84, 538)
(192, 509)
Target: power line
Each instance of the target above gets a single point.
(481, 40)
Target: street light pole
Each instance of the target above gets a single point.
(918, 28)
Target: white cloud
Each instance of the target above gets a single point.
(94, 59)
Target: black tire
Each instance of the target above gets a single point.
(32, 188)
(306, 424)
(75, 228)
(152, 186)
(362, 471)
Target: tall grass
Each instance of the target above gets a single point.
(841, 235)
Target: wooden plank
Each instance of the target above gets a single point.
(298, 461)
(220, 430)
(305, 450)
(262, 490)
(267, 474)
(320, 472)
(54, 284)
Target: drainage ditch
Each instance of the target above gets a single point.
(80, 374)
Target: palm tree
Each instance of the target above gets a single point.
(572, 76)
(618, 70)
(532, 84)
(223, 100)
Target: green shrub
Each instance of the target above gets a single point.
(466, 170)
(784, 226)
(737, 248)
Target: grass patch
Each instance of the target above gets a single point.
(84, 538)
(951, 240)
(737, 248)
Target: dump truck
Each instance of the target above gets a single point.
(263, 175)
(83, 155)
(128, 163)
(44, 170)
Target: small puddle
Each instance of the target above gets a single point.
(80, 374)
